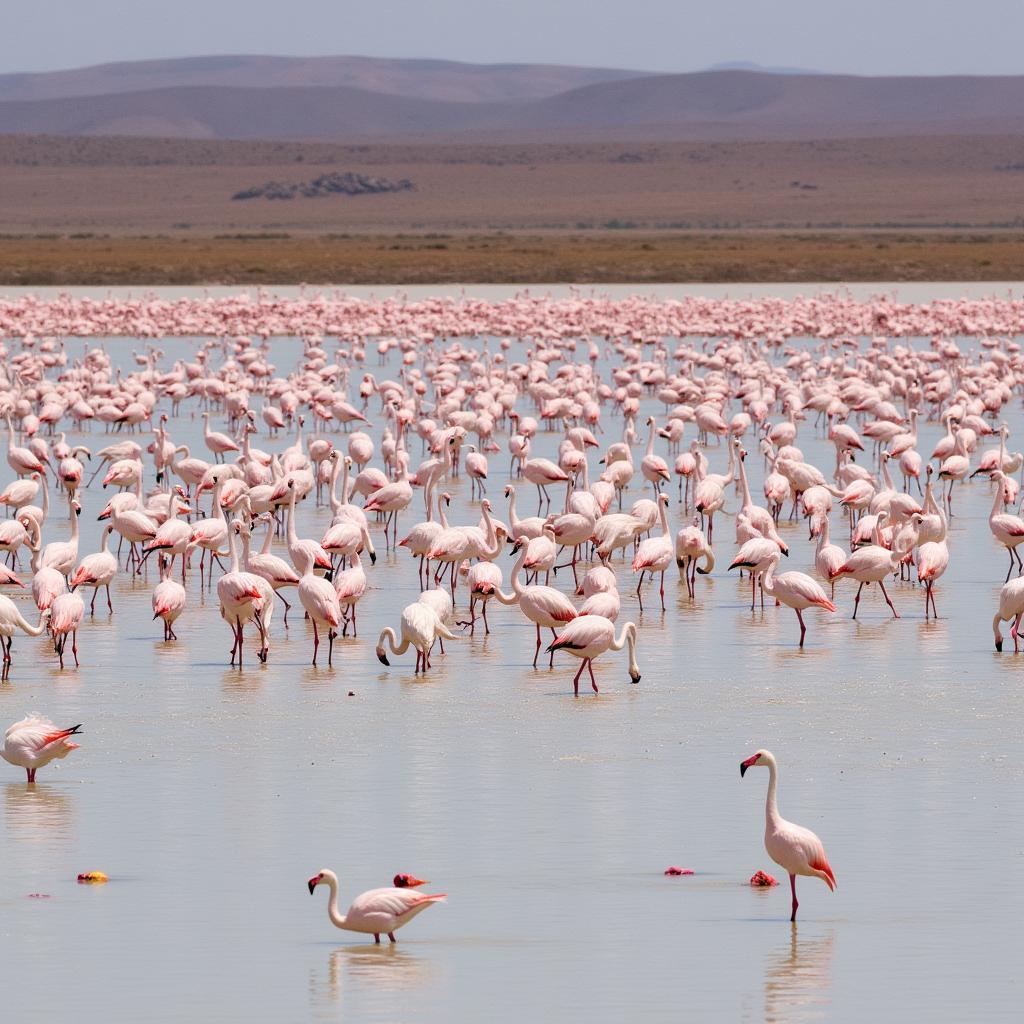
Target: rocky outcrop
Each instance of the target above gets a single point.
(344, 184)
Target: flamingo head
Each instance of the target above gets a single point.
(760, 758)
(408, 881)
(315, 881)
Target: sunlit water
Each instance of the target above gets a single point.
(210, 795)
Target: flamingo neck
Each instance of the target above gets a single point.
(744, 486)
(771, 807)
(650, 439)
(338, 919)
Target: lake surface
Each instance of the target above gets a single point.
(209, 795)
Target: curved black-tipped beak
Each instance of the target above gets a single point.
(999, 644)
(743, 768)
(785, 551)
(373, 558)
(78, 511)
(634, 677)
(312, 885)
(383, 659)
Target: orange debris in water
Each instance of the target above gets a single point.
(93, 876)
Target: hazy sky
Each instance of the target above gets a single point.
(859, 36)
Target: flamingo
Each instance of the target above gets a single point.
(653, 467)
(795, 590)
(320, 600)
(691, 547)
(795, 849)
(12, 620)
(66, 614)
(587, 637)
(34, 742)
(377, 912)
(543, 606)
(97, 570)
(168, 600)
(1011, 606)
(1007, 529)
(420, 627)
(870, 564)
(655, 553)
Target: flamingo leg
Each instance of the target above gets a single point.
(316, 640)
(792, 885)
(536, 653)
(803, 628)
(856, 600)
(590, 668)
(895, 613)
(576, 679)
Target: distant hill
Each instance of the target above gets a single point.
(703, 105)
(447, 80)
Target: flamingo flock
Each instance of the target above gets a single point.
(590, 405)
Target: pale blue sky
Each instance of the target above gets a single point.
(858, 36)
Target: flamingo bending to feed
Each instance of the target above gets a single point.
(794, 848)
(377, 912)
(34, 742)
(12, 620)
(588, 637)
(420, 627)
(66, 614)
(1011, 606)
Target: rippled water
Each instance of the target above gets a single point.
(210, 795)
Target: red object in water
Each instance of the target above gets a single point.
(678, 871)
(759, 878)
(38, 895)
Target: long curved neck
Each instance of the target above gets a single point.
(335, 470)
(665, 531)
(768, 578)
(513, 519)
(823, 535)
(36, 630)
(269, 538)
(338, 919)
(517, 587)
(293, 537)
(771, 807)
(217, 512)
(650, 438)
(744, 486)
(233, 547)
(997, 500)
(885, 475)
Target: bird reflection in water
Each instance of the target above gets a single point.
(797, 980)
(36, 812)
(370, 973)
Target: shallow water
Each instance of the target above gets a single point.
(210, 795)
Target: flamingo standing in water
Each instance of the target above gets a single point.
(655, 553)
(794, 848)
(420, 627)
(35, 741)
(543, 606)
(588, 637)
(795, 590)
(11, 620)
(168, 599)
(377, 912)
(97, 570)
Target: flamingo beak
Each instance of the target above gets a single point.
(744, 765)
(383, 659)
(999, 644)
(373, 558)
(634, 677)
(313, 883)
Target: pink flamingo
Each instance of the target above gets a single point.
(377, 912)
(34, 742)
(588, 637)
(794, 848)
(543, 606)
(66, 614)
(795, 590)
(97, 570)
(169, 599)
